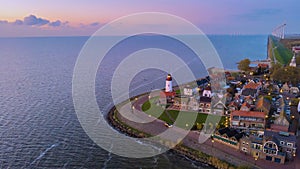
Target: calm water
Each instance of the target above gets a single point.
(38, 124)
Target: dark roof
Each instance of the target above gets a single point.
(239, 135)
(278, 136)
(223, 130)
(205, 99)
(231, 133)
(201, 82)
(249, 92)
(169, 77)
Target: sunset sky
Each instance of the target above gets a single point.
(71, 18)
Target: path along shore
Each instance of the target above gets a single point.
(189, 146)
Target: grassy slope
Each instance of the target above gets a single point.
(282, 53)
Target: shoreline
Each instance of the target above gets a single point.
(129, 131)
(192, 152)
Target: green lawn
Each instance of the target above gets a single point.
(185, 120)
(281, 52)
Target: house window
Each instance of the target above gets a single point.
(290, 144)
(281, 142)
(243, 142)
(244, 150)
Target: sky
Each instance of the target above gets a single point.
(83, 18)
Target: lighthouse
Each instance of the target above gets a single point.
(169, 83)
(167, 95)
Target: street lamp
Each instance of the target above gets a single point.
(255, 159)
(212, 144)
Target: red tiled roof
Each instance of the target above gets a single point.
(248, 114)
(246, 104)
(263, 65)
(167, 94)
(252, 85)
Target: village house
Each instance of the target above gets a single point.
(263, 105)
(252, 145)
(280, 123)
(251, 120)
(229, 137)
(181, 102)
(285, 88)
(294, 90)
(251, 89)
(233, 106)
(219, 107)
(166, 97)
(205, 105)
(188, 91)
(278, 146)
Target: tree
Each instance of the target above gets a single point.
(297, 59)
(274, 67)
(244, 65)
(287, 74)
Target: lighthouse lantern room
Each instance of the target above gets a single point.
(169, 83)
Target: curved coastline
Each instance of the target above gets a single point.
(117, 122)
(129, 131)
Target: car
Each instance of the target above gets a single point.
(168, 125)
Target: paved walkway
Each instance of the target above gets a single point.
(136, 118)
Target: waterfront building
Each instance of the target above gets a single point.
(250, 120)
(252, 145)
(278, 146)
(166, 97)
(229, 137)
(188, 91)
(205, 105)
(181, 102)
(193, 104)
